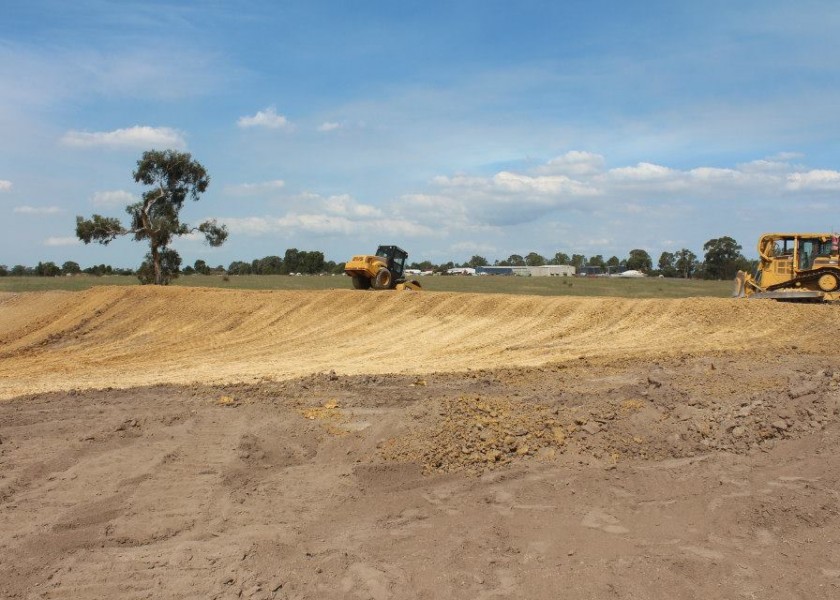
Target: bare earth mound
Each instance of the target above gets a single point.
(125, 337)
(376, 445)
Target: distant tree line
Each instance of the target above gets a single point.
(50, 269)
(293, 261)
(722, 259)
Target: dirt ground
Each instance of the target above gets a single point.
(694, 464)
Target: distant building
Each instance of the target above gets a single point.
(541, 271)
(552, 271)
(501, 270)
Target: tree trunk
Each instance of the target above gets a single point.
(156, 263)
(153, 244)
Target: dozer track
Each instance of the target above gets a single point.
(808, 278)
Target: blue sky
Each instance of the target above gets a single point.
(449, 128)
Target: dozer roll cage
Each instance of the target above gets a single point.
(395, 257)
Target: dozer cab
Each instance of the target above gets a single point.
(381, 271)
(794, 267)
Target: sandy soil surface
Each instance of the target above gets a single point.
(406, 447)
(126, 337)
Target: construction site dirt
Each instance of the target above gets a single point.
(196, 443)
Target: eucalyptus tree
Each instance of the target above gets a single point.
(173, 177)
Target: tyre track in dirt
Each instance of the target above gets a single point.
(126, 337)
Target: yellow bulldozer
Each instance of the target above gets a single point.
(384, 270)
(794, 267)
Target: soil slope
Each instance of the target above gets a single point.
(125, 337)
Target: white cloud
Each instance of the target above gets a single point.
(549, 185)
(267, 118)
(441, 211)
(132, 137)
(38, 210)
(339, 215)
(62, 241)
(817, 180)
(464, 202)
(642, 172)
(328, 126)
(247, 189)
(113, 198)
(766, 166)
(308, 223)
(346, 205)
(5, 185)
(711, 174)
(460, 180)
(575, 163)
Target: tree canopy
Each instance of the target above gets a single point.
(639, 260)
(477, 261)
(173, 177)
(686, 262)
(723, 258)
(560, 258)
(666, 264)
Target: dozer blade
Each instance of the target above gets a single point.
(739, 291)
(412, 286)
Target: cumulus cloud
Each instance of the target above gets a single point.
(345, 205)
(267, 118)
(642, 172)
(575, 163)
(328, 126)
(340, 215)
(62, 241)
(507, 197)
(816, 180)
(543, 185)
(438, 211)
(132, 137)
(38, 210)
(247, 189)
(712, 174)
(5, 185)
(112, 198)
(765, 165)
(577, 183)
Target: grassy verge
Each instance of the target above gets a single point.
(539, 286)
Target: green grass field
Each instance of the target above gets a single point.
(539, 286)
